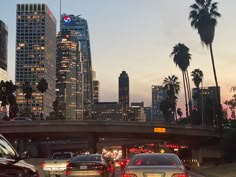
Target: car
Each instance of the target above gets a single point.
(13, 164)
(20, 119)
(56, 165)
(123, 163)
(89, 165)
(155, 165)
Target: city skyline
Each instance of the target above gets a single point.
(138, 37)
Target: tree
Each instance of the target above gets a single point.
(203, 16)
(197, 76)
(27, 91)
(7, 97)
(172, 86)
(42, 87)
(179, 112)
(181, 57)
(56, 114)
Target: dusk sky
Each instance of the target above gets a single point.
(138, 36)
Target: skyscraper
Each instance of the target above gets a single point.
(80, 25)
(3, 50)
(69, 77)
(35, 55)
(205, 105)
(158, 95)
(124, 92)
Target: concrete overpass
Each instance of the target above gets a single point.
(176, 133)
(193, 136)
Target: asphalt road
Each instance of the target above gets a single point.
(118, 173)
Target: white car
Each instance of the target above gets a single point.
(20, 119)
(155, 165)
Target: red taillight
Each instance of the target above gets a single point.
(129, 175)
(111, 169)
(68, 172)
(121, 163)
(98, 167)
(180, 175)
(43, 165)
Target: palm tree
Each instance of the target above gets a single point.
(172, 85)
(27, 91)
(7, 97)
(42, 87)
(179, 112)
(197, 77)
(203, 16)
(181, 57)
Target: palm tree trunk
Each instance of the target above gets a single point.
(186, 103)
(189, 96)
(219, 111)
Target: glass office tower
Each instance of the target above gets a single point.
(80, 25)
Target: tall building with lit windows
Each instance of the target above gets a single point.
(69, 75)
(124, 92)
(35, 56)
(158, 95)
(80, 25)
(3, 45)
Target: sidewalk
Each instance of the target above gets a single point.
(225, 170)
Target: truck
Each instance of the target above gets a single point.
(56, 165)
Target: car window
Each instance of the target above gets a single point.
(6, 150)
(161, 160)
(61, 156)
(88, 158)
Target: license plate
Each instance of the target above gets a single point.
(83, 167)
(153, 175)
(54, 168)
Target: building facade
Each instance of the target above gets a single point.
(106, 111)
(137, 112)
(3, 45)
(158, 95)
(35, 56)
(69, 75)
(80, 25)
(124, 92)
(205, 105)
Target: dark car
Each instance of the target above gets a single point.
(12, 164)
(89, 165)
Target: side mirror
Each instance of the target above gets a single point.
(187, 167)
(25, 155)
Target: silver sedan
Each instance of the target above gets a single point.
(155, 165)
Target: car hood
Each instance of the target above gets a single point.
(23, 164)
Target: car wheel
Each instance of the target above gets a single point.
(47, 175)
(58, 175)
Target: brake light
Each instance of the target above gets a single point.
(111, 169)
(97, 167)
(68, 172)
(129, 175)
(43, 165)
(180, 175)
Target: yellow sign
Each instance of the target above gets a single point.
(162, 151)
(159, 130)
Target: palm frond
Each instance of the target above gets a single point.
(195, 7)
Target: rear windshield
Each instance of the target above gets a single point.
(162, 160)
(88, 158)
(61, 156)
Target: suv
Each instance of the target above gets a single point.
(12, 164)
